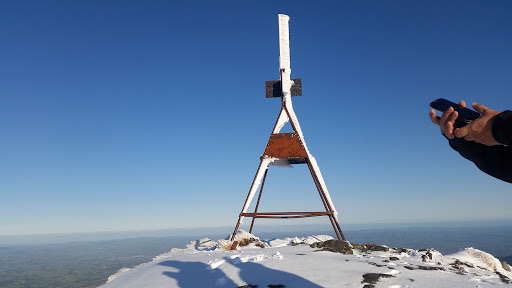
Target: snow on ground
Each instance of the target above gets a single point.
(292, 262)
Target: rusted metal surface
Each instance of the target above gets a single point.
(286, 214)
(246, 200)
(285, 146)
(319, 187)
(259, 198)
(334, 222)
(273, 89)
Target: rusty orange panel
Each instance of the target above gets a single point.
(285, 145)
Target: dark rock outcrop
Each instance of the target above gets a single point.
(338, 246)
(373, 278)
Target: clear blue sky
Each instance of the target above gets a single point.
(130, 115)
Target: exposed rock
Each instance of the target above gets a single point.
(372, 278)
(459, 266)
(247, 241)
(393, 258)
(464, 263)
(356, 246)
(427, 257)
(338, 246)
(431, 268)
(425, 268)
(504, 278)
(375, 264)
(505, 266)
(374, 247)
(402, 250)
(260, 244)
(241, 239)
(430, 255)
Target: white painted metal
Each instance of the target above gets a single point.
(284, 54)
(256, 183)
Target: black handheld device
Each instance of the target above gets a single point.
(465, 115)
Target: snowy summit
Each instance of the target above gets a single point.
(315, 261)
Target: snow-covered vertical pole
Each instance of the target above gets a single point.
(284, 55)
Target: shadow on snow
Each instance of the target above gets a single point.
(198, 274)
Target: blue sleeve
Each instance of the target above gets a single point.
(502, 128)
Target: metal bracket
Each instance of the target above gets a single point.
(273, 88)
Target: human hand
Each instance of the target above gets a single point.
(479, 130)
(446, 120)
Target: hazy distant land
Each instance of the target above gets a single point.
(89, 264)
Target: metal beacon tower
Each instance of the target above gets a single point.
(287, 148)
